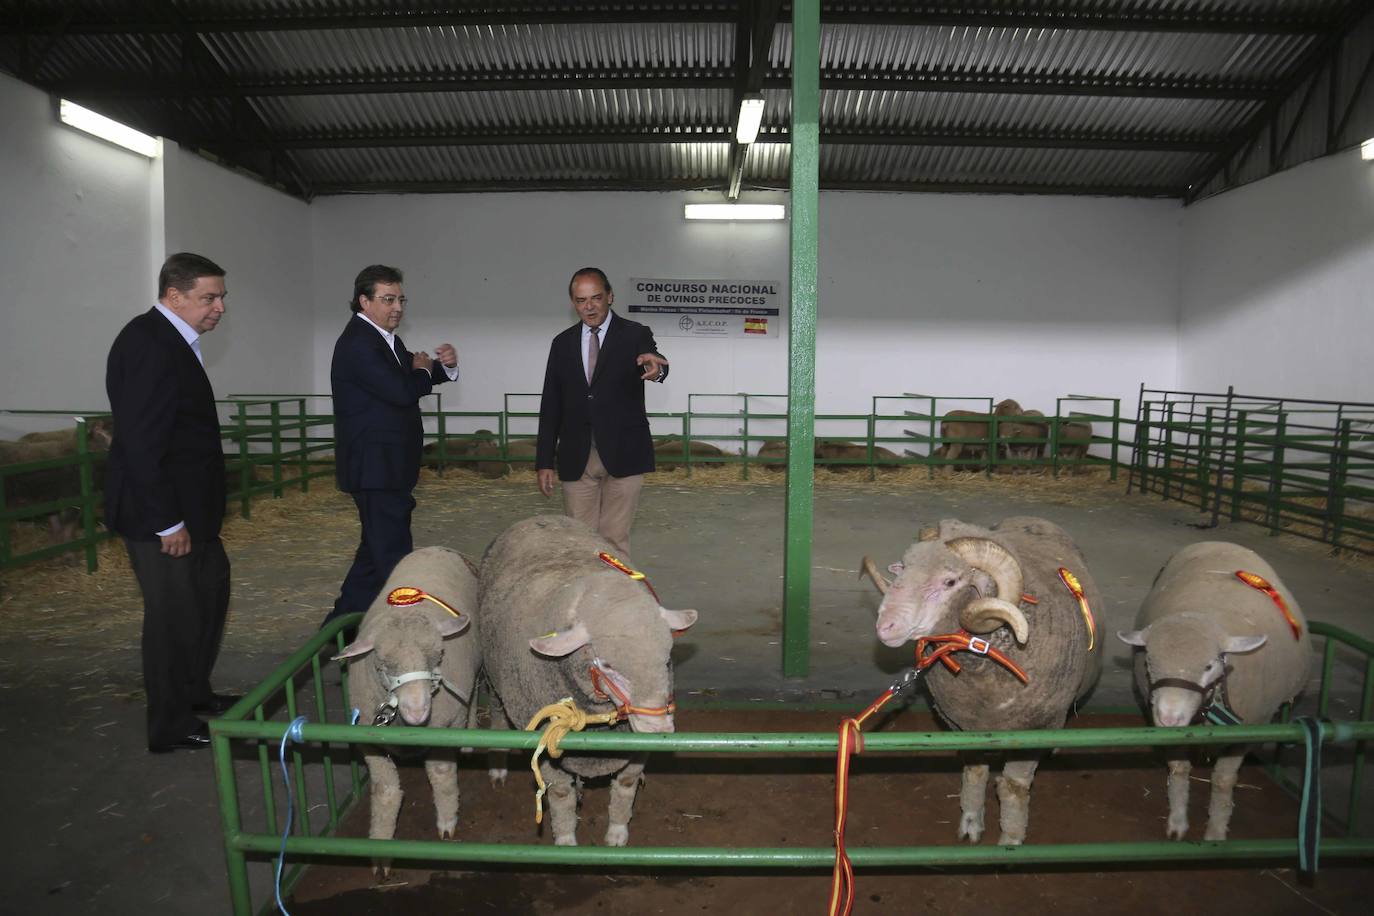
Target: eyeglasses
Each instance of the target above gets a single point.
(390, 300)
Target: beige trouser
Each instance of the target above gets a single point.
(604, 503)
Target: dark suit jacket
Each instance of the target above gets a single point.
(571, 412)
(166, 463)
(378, 435)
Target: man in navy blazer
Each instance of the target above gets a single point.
(378, 437)
(592, 424)
(164, 493)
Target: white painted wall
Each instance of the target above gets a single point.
(74, 240)
(1026, 297)
(85, 228)
(1278, 285)
(261, 237)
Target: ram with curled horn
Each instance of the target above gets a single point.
(1022, 585)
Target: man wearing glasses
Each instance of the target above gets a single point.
(377, 385)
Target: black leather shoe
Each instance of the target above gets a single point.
(195, 741)
(218, 704)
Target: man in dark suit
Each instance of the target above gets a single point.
(592, 425)
(164, 493)
(377, 385)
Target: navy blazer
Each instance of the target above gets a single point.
(166, 462)
(378, 435)
(611, 408)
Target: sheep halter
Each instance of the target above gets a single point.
(1261, 584)
(930, 649)
(407, 595)
(1076, 589)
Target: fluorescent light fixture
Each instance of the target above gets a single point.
(1367, 149)
(750, 117)
(735, 211)
(100, 126)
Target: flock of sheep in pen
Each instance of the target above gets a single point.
(965, 436)
(547, 614)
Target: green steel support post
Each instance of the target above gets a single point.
(276, 449)
(1116, 434)
(245, 469)
(240, 894)
(1273, 507)
(1335, 505)
(1168, 450)
(304, 440)
(744, 431)
(83, 451)
(1204, 460)
(1238, 465)
(801, 344)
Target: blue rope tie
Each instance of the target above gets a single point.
(292, 733)
(1310, 812)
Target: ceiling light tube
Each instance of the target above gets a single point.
(1367, 149)
(73, 115)
(750, 117)
(735, 211)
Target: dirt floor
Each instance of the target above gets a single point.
(718, 801)
(102, 827)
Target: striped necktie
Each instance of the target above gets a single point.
(593, 351)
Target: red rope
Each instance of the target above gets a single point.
(929, 650)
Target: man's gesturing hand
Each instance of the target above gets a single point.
(654, 365)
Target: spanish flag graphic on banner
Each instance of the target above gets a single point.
(756, 325)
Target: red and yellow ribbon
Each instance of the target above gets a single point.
(609, 560)
(851, 742)
(406, 595)
(1262, 584)
(1076, 589)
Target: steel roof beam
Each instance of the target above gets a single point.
(1060, 16)
(98, 86)
(632, 184)
(1243, 140)
(754, 34)
(724, 134)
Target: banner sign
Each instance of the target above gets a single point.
(705, 308)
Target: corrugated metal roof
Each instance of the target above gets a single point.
(1110, 96)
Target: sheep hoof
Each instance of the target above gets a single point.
(1007, 839)
(1214, 833)
(566, 839)
(381, 869)
(617, 835)
(1177, 829)
(971, 828)
(497, 777)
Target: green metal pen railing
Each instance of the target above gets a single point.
(246, 733)
(1297, 466)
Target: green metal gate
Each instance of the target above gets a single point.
(334, 780)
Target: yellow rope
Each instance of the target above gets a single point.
(564, 717)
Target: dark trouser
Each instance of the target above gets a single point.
(185, 601)
(385, 518)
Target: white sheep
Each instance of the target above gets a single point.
(1210, 636)
(545, 588)
(963, 577)
(417, 662)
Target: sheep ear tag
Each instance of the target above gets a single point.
(408, 595)
(1261, 584)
